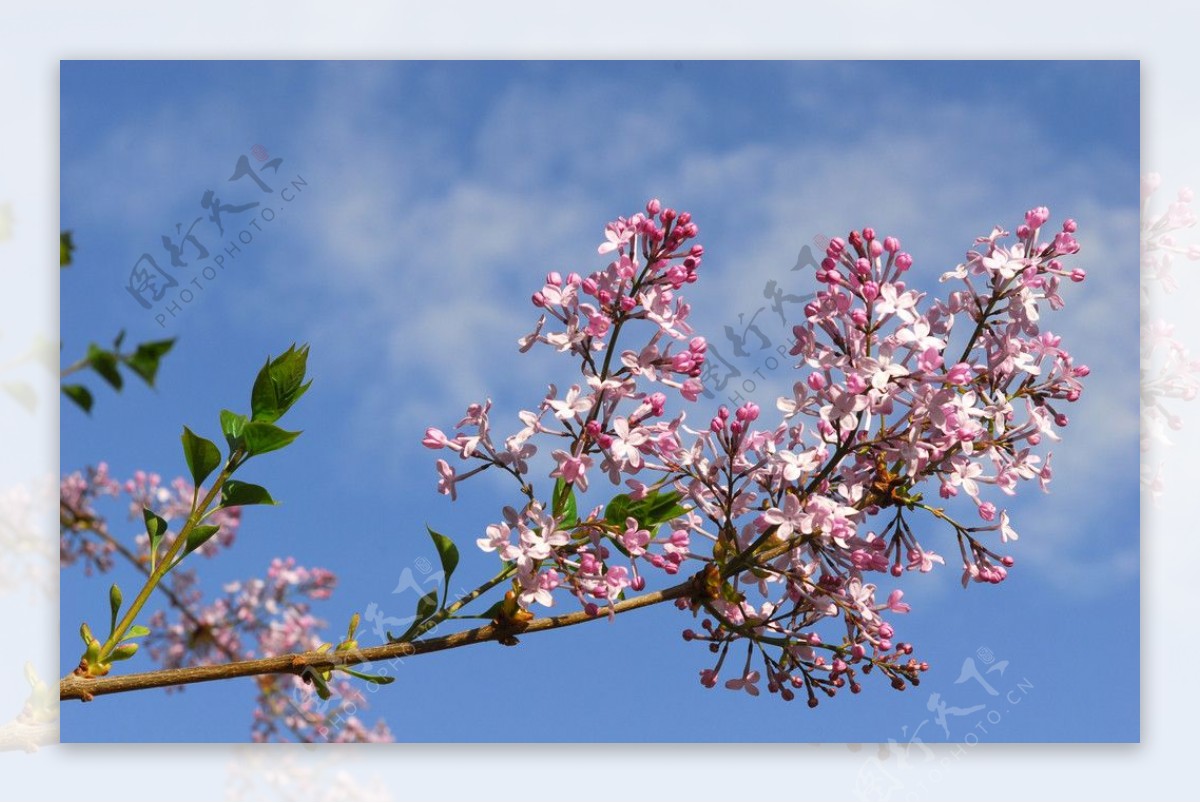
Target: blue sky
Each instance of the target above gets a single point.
(437, 195)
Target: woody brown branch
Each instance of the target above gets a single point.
(74, 687)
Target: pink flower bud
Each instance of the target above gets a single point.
(903, 261)
(891, 245)
(653, 207)
(1069, 225)
(1037, 216)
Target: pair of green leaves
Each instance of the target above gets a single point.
(279, 385)
(143, 361)
(651, 512)
(654, 509)
(428, 605)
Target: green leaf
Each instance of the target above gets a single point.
(448, 553)
(279, 385)
(66, 249)
(319, 682)
(196, 538)
(618, 509)
(114, 604)
(104, 363)
(144, 361)
(658, 508)
(80, 395)
(261, 437)
(202, 455)
(232, 425)
(123, 652)
(156, 528)
(382, 680)
(237, 494)
(138, 631)
(427, 606)
(564, 501)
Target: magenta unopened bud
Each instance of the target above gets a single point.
(604, 440)
(870, 291)
(1035, 439)
(1072, 395)
(903, 261)
(716, 425)
(1023, 231)
(1061, 419)
(685, 218)
(539, 300)
(574, 279)
(723, 412)
(855, 239)
(668, 215)
(868, 233)
(1065, 243)
(697, 251)
(653, 207)
(1007, 560)
(554, 278)
(1070, 226)
(891, 245)
(875, 249)
(638, 583)
(1037, 217)
(604, 297)
(1078, 275)
(837, 245)
(816, 381)
(589, 286)
(627, 303)
(691, 230)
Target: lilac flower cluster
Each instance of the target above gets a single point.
(896, 390)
